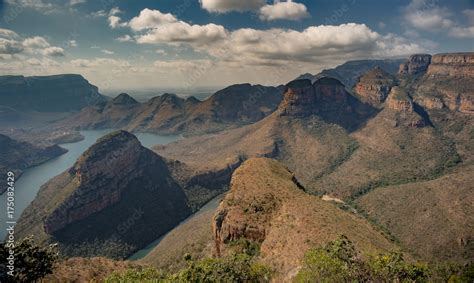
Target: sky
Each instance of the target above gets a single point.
(147, 44)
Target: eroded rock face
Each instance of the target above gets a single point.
(326, 98)
(416, 64)
(452, 64)
(374, 86)
(449, 82)
(400, 102)
(299, 99)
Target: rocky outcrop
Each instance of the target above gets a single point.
(327, 98)
(374, 86)
(17, 156)
(299, 100)
(452, 64)
(267, 205)
(400, 102)
(416, 64)
(449, 82)
(59, 93)
(123, 192)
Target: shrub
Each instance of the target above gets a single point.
(339, 261)
(31, 261)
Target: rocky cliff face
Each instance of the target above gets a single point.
(374, 86)
(452, 64)
(416, 64)
(400, 102)
(121, 191)
(17, 156)
(59, 93)
(448, 82)
(327, 98)
(267, 205)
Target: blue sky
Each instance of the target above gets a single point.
(189, 43)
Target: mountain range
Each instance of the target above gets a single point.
(381, 154)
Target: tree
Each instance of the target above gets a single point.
(31, 261)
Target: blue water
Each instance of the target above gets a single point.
(28, 185)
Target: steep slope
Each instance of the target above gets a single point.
(440, 212)
(17, 156)
(416, 64)
(117, 198)
(59, 93)
(267, 205)
(193, 237)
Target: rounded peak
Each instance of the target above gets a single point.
(119, 135)
(124, 99)
(328, 81)
(299, 83)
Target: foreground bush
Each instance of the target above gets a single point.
(31, 261)
(233, 268)
(339, 261)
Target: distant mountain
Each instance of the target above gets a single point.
(17, 156)
(58, 93)
(349, 72)
(117, 198)
(169, 114)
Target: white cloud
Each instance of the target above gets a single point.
(151, 18)
(39, 5)
(108, 52)
(36, 42)
(6, 33)
(462, 32)
(426, 15)
(181, 65)
(114, 20)
(224, 6)
(181, 32)
(161, 52)
(9, 46)
(76, 2)
(125, 38)
(100, 62)
(72, 43)
(469, 13)
(99, 14)
(283, 11)
(53, 51)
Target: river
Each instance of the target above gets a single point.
(28, 185)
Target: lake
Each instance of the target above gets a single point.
(28, 185)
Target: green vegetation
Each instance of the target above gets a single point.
(339, 261)
(31, 262)
(233, 268)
